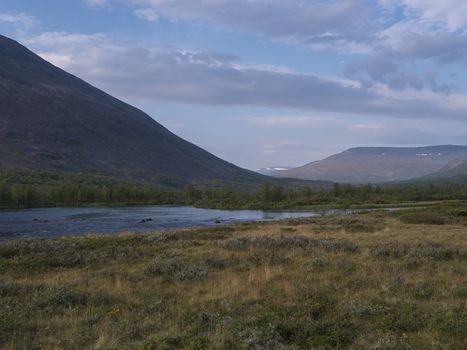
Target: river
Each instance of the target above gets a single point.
(58, 222)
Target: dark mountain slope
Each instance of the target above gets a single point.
(52, 121)
(378, 164)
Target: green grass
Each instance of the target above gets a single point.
(370, 281)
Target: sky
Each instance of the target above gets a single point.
(267, 82)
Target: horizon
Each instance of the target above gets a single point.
(286, 91)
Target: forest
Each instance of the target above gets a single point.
(22, 190)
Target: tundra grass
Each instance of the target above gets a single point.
(369, 281)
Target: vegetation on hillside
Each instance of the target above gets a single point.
(370, 281)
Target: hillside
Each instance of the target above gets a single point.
(453, 172)
(55, 122)
(378, 164)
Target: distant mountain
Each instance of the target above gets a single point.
(52, 121)
(378, 164)
(273, 171)
(454, 171)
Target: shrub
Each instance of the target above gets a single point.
(391, 342)
(164, 266)
(62, 296)
(422, 290)
(316, 264)
(215, 261)
(345, 265)
(191, 272)
(430, 218)
(368, 309)
(290, 242)
(431, 250)
(358, 224)
(263, 338)
(405, 318)
(8, 289)
(102, 299)
(175, 268)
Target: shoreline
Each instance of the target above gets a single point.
(253, 207)
(316, 214)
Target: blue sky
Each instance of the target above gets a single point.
(267, 82)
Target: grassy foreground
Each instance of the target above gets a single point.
(368, 281)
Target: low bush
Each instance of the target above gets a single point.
(59, 297)
(360, 224)
(290, 242)
(316, 264)
(175, 268)
(390, 341)
(430, 217)
(431, 250)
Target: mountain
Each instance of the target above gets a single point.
(53, 121)
(454, 171)
(272, 171)
(378, 164)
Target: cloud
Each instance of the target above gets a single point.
(387, 70)
(397, 34)
(311, 23)
(147, 14)
(416, 39)
(211, 78)
(21, 20)
(98, 3)
(367, 127)
(412, 54)
(389, 135)
(284, 121)
(56, 39)
(278, 146)
(347, 26)
(453, 13)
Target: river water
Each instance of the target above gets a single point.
(57, 222)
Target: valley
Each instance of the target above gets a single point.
(117, 233)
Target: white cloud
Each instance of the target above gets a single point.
(282, 121)
(345, 26)
(21, 19)
(403, 33)
(147, 14)
(60, 60)
(311, 23)
(453, 13)
(208, 78)
(368, 128)
(379, 134)
(55, 39)
(98, 3)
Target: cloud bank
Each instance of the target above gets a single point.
(213, 78)
(393, 33)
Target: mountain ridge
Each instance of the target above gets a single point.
(377, 164)
(53, 121)
(454, 171)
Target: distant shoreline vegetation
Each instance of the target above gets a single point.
(22, 189)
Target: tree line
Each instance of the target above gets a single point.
(274, 196)
(64, 191)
